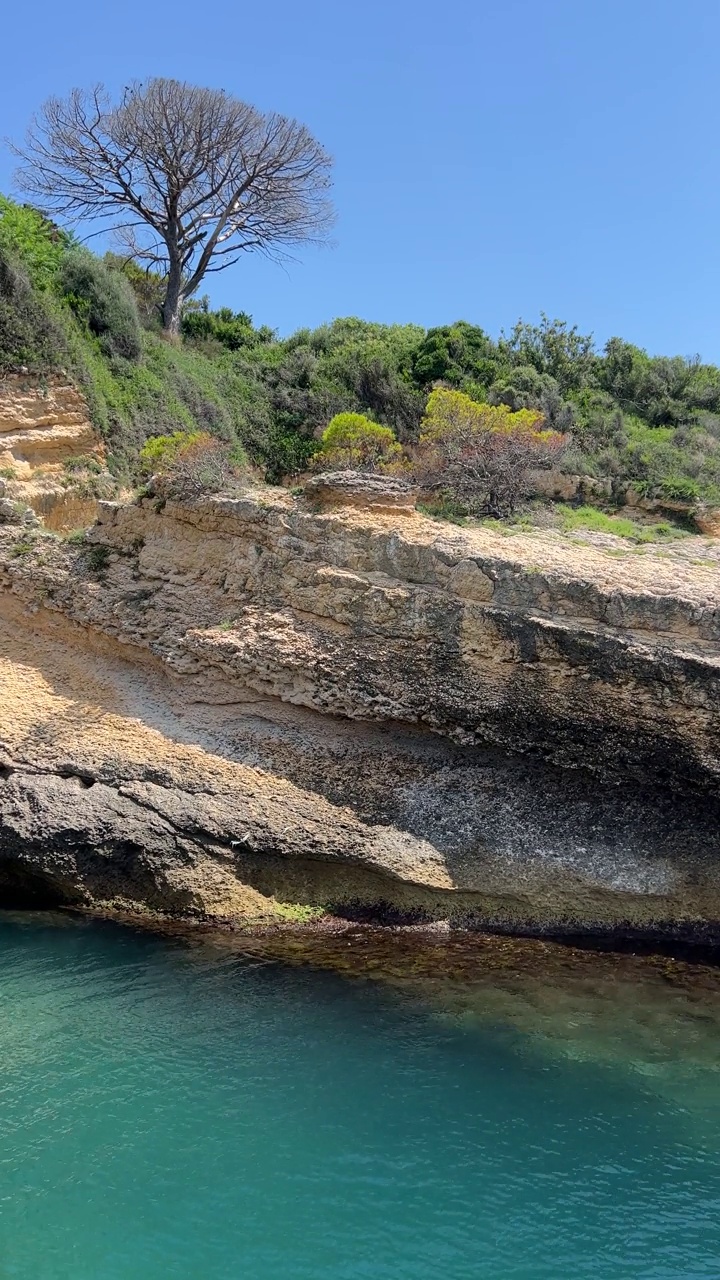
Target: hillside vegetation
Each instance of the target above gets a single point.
(649, 422)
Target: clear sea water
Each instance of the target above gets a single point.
(351, 1111)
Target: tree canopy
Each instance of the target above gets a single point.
(354, 440)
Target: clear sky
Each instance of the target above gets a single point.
(494, 158)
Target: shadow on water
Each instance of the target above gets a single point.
(652, 1011)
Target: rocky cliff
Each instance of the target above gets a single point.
(45, 422)
(225, 707)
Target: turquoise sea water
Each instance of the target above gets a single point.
(174, 1111)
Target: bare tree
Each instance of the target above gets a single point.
(189, 178)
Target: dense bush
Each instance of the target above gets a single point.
(481, 454)
(27, 236)
(30, 335)
(352, 441)
(31, 250)
(103, 300)
(147, 286)
(231, 330)
(553, 349)
(456, 353)
(286, 454)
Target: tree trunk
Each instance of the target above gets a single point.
(172, 305)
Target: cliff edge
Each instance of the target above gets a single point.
(260, 706)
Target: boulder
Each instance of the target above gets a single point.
(362, 489)
(708, 521)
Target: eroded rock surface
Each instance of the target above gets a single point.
(42, 422)
(243, 702)
(363, 490)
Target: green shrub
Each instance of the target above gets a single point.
(455, 353)
(351, 440)
(31, 335)
(286, 454)
(83, 462)
(104, 301)
(159, 451)
(233, 330)
(23, 547)
(33, 240)
(98, 557)
(148, 288)
(681, 488)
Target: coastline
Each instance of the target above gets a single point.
(222, 722)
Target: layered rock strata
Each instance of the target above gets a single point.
(223, 707)
(42, 422)
(45, 422)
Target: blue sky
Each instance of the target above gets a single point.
(493, 159)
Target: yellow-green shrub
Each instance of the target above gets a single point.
(159, 451)
(451, 411)
(352, 441)
(481, 454)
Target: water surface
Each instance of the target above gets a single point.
(489, 1109)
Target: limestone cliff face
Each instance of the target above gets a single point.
(252, 700)
(531, 644)
(43, 423)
